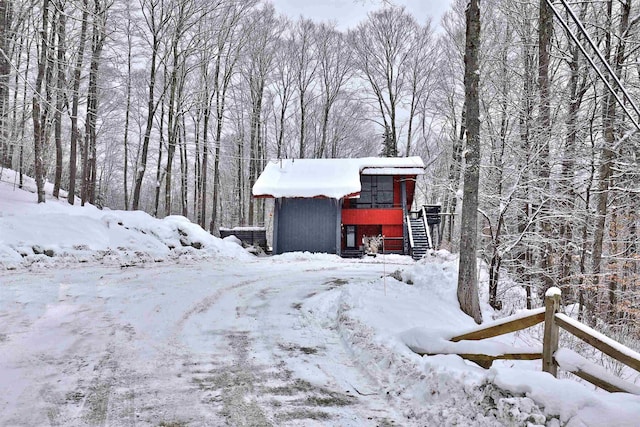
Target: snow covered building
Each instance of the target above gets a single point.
(338, 205)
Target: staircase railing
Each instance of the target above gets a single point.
(411, 244)
(426, 227)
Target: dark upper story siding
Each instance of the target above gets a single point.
(369, 202)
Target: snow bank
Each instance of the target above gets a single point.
(382, 320)
(54, 232)
(572, 402)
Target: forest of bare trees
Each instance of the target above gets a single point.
(175, 106)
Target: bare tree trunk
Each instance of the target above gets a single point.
(544, 137)
(5, 70)
(455, 168)
(586, 305)
(606, 162)
(205, 166)
(525, 256)
(302, 126)
(216, 161)
(17, 48)
(305, 68)
(240, 175)
(184, 169)
(468, 273)
(90, 159)
(172, 137)
(59, 96)
(23, 119)
(155, 23)
(576, 89)
(159, 169)
(280, 138)
(497, 173)
(196, 165)
(73, 165)
(176, 88)
(257, 83)
(38, 120)
(127, 111)
(15, 128)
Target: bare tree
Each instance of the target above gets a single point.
(75, 101)
(230, 41)
(283, 87)
(128, 90)
(335, 68)
(467, 278)
(383, 47)
(265, 29)
(180, 48)
(305, 64)
(89, 169)
(616, 55)
(60, 96)
(156, 19)
(420, 70)
(39, 114)
(6, 12)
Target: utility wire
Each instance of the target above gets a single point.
(592, 62)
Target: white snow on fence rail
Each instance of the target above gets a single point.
(603, 338)
(517, 316)
(571, 361)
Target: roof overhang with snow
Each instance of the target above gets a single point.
(332, 178)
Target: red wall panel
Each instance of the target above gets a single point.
(392, 230)
(372, 216)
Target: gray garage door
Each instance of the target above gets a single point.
(307, 225)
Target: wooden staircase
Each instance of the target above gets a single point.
(420, 238)
(421, 223)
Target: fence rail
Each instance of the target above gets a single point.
(553, 321)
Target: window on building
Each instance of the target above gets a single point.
(376, 192)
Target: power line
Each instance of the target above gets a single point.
(574, 37)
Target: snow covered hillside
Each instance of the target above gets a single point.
(56, 232)
(117, 318)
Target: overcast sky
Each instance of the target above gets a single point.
(348, 13)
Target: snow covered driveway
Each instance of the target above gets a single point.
(223, 342)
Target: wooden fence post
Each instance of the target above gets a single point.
(550, 340)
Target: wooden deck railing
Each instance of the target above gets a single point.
(392, 245)
(553, 320)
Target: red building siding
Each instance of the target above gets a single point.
(391, 216)
(387, 222)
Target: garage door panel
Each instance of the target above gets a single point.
(307, 225)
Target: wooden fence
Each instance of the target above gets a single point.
(551, 356)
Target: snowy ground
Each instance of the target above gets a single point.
(116, 318)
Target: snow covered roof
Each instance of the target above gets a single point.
(333, 178)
